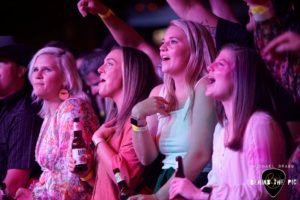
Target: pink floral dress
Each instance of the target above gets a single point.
(54, 147)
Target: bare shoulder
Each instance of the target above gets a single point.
(156, 90)
(200, 86)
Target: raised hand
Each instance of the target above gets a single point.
(106, 130)
(150, 106)
(286, 42)
(90, 6)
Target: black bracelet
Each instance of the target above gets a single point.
(207, 189)
(138, 122)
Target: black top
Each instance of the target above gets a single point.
(229, 32)
(19, 130)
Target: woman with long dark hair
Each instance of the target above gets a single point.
(248, 138)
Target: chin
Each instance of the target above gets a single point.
(103, 94)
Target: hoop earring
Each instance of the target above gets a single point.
(63, 94)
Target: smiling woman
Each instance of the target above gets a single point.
(177, 115)
(127, 77)
(248, 138)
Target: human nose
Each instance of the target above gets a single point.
(210, 67)
(38, 74)
(163, 46)
(101, 69)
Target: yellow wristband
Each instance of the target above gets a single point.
(88, 177)
(106, 15)
(139, 129)
(258, 9)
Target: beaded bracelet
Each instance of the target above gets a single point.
(88, 177)
(106, 15)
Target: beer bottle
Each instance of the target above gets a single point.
(125, 191)
(179, 173)
(4, 192)
(78, 147)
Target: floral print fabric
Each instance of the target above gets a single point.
(54, 147)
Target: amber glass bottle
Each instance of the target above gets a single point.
(78, 147)
(125, 191)
(179, 173)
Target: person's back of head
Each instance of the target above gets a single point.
(91, 62)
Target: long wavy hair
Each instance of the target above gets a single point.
(139, 78)
(202, 53)
(67, 65)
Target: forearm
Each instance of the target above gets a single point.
(223, 9)
(122, 32)
(163, 192)
(105, 153)
(193, 10)
(145, 147)
(125, 35)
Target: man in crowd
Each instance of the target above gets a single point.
(19, 122)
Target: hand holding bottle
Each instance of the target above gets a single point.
(186, 189)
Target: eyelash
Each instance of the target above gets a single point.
(171, 42)
(44, 69)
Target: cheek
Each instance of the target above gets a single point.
(117, 81)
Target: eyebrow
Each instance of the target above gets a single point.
(111, 59)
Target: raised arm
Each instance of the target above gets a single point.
(193, 10)
(223, 9)
(124, 34)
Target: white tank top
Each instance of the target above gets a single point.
(174, 134)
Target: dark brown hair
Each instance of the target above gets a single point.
(253, 86)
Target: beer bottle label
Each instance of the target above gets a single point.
(76, 126)
(78, 155)
(118, 177)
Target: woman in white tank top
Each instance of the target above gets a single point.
(177, 119)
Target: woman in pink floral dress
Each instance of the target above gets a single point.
(56, 84)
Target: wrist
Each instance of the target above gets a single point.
(106, 15)
(262, 12)
(139, 122)
(88, 177)
(96, 140)
(136, 114)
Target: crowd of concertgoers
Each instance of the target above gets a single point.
(224, 97)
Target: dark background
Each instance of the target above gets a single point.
(37, 22)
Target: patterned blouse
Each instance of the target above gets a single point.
(286, 69)
(54, 147)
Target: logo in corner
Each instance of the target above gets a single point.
(273, 180)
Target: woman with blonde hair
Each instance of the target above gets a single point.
(56, 84)
(177, 119)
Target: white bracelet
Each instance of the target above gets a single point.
(96, 140)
